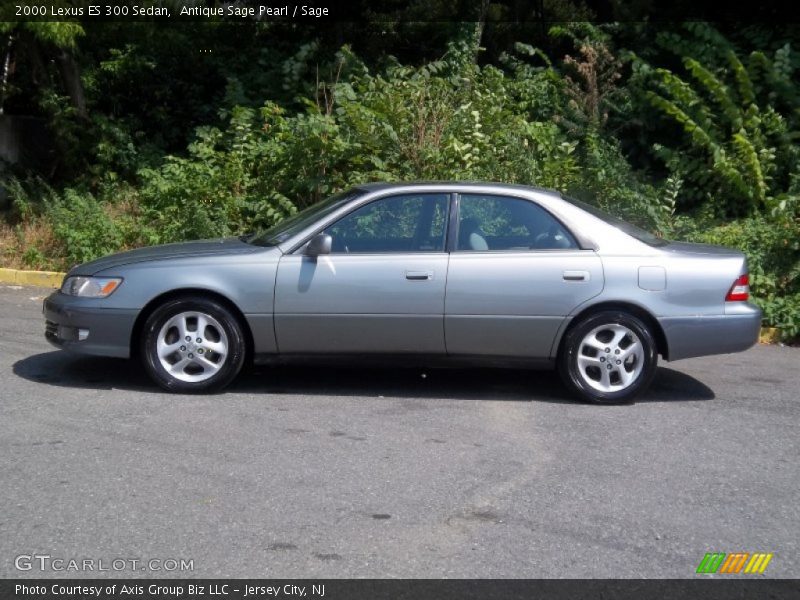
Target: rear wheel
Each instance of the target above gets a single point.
(192, 344)
(608, 358)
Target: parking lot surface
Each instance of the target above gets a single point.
(326, 472)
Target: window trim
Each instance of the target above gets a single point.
(452, 223)
(300, 247)
(457, 217)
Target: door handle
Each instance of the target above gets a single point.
(419, 275)
(576, 276)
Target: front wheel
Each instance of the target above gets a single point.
(608, 358)
(192, 344)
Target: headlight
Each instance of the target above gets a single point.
(90, 287)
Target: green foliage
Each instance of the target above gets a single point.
(34, 258)
(80, 224)
(83, 227)
(57, 230)
(739, 150)
(591, 78)
(451, 120)
(219, 189)
(59, 34)
(608, 181)
(447, 120)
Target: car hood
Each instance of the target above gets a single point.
(217, 247)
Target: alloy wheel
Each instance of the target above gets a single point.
(610, 358)
(192, 346)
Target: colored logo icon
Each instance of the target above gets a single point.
(737, 562)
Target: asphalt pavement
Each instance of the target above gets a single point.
(329, 472)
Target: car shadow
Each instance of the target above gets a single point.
(82, 372)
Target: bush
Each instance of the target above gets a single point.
(608, 182)
(222, 188)
(447, 120)
(55, 230)
(82, 226)
(442, 121)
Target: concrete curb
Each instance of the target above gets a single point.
(39, 278)
(769, 335)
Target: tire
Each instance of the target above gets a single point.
(609, 357)
(184, 365)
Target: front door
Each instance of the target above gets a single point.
(381, 289)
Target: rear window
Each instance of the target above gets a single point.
(632, 230)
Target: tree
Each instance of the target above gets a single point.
(33, 42)
(738, 147)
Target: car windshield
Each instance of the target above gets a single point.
(632, 230)
(280, 232)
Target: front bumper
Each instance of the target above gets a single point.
(712, 334)
(76, 325)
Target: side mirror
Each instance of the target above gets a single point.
(319, 244)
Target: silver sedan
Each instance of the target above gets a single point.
(433, 273)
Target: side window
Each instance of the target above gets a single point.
(499, 223)
(415, 223)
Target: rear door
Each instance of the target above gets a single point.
(380, 290)
(515, 273)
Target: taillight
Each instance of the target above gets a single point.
(740, 290)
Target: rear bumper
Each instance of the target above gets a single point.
(712, 334)
(73, 326)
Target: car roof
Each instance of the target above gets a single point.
(376, 186)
